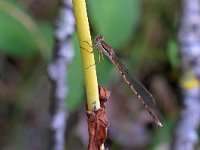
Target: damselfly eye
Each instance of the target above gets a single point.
(100, 38)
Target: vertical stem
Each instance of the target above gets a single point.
(186, 135)
(57, 72)
(83, 31)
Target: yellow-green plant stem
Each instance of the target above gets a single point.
(83, 31)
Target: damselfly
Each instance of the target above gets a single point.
(141, 92)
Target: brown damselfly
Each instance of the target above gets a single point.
(141, 92)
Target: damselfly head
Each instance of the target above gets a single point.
(99, 38)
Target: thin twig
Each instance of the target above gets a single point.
(58, 71)
(186, 131)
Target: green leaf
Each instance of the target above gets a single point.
(75, 79)
(104, 72)
(14, 40)
(172, 53)
(114, 19)
(20, 36)
(47, 33)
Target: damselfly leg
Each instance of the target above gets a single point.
(101, 56)
(87, 49)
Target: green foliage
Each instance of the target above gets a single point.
(163, 135)
(114, 19)
(103, 70)
(20, 35)
(172, 53)
(75, 79)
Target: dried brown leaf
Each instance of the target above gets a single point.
(98, 123)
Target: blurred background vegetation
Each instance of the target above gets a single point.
(143, 34)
